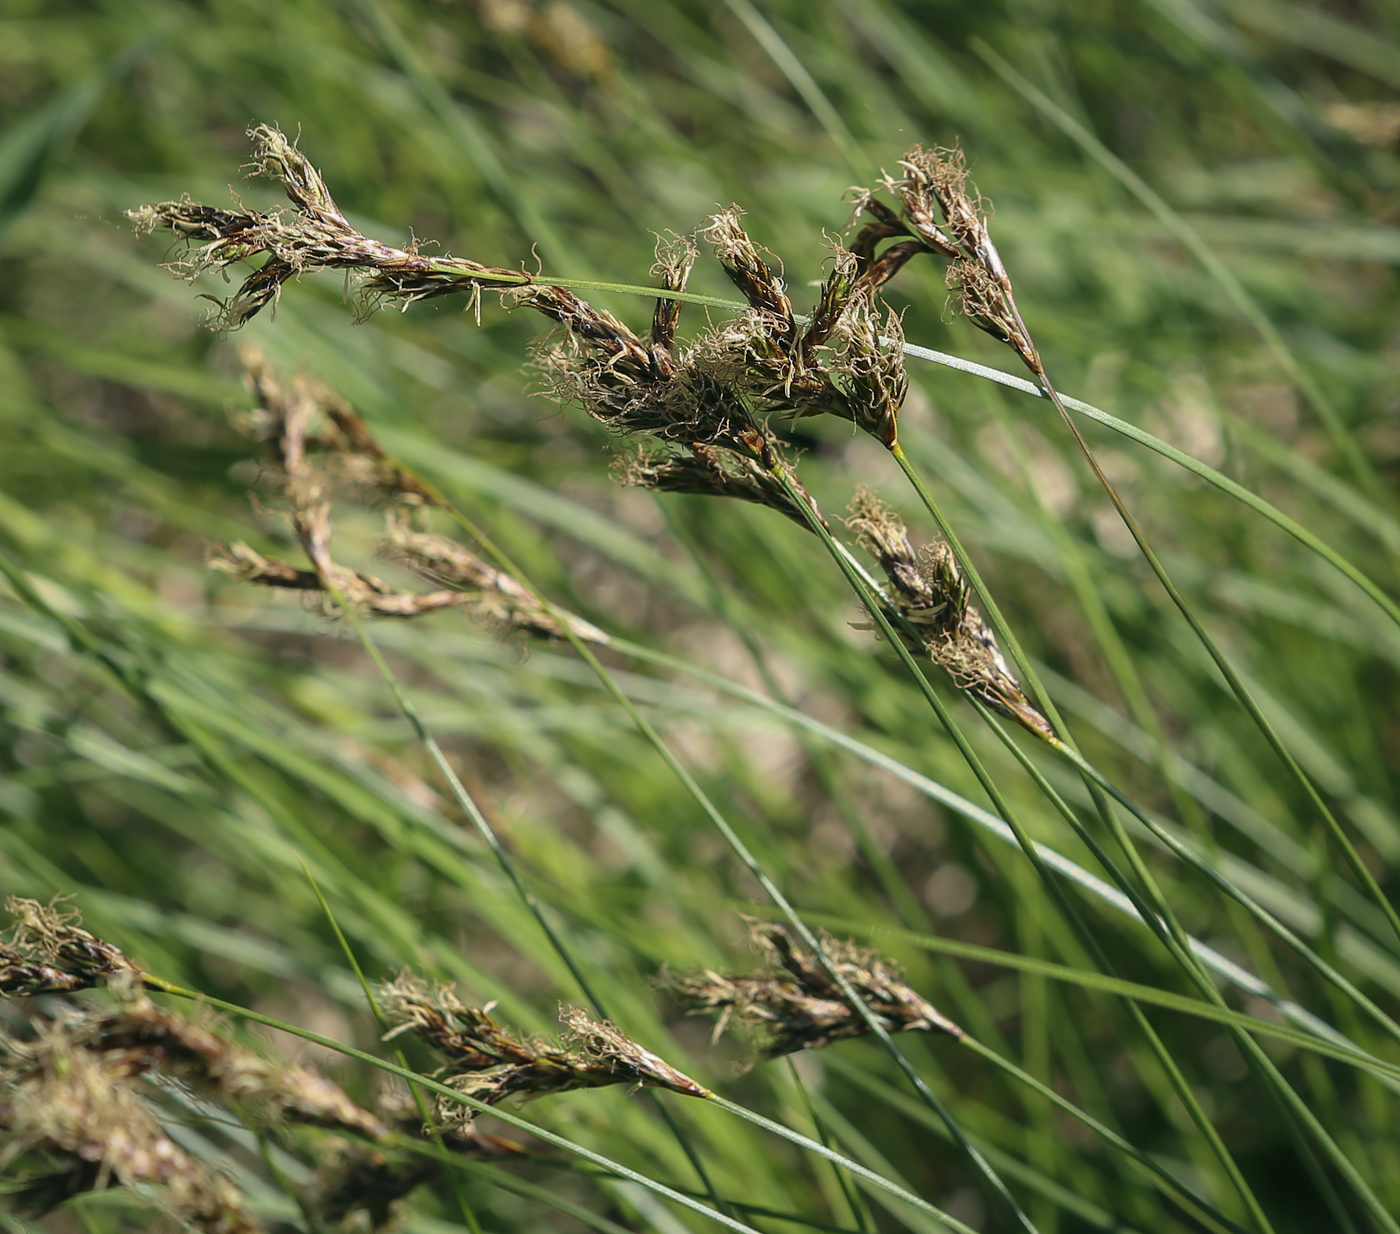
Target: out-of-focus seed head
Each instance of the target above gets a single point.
(314, 437)
(78, 1110)
(138, 1038)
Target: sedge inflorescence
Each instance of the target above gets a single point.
(703, 409)
(80, 1084)
(491, 1064)
(792, 1002)
(316, 445)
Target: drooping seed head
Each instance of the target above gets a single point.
(792, 1003)
(933, 599)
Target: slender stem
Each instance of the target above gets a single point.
(1197, 468)
(1063, 867)
(1057, 892)
(487, 832)
(1160, 1176)
(1099, 783)
(859, 1171)
(737, 845)
(1292, 1106)
(1193, 242)
(1237, 687)
(858, 1210)
(505, 1116)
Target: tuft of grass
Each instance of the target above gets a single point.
(1157, 905)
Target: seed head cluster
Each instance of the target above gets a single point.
(80, 1087)
(940, 621)
(491, 1064)
(792, 1003)
(316, 443)
(49, 952)
(702, 409)
(949, 218)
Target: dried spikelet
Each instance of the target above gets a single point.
(793, 1003)
(490, 595)
(325, 422)
(599, 329)
(759, 352)
(71, 1107)
(712, 472)
(938, 179)
(304, 425)
(365, 592)
(948, 217)
(837, 290)
(866, 368)
(313, 236)
(934, 599)
(675, 257)
(987, 303)
(848, 362)
(49, 952)
(612, 1053)
(490, 1064)
(747, 270)
(604, 369)
(139, 1038)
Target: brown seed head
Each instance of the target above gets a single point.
(935, 182)
(315, 439)
(747, 270)
(792, 1003)
(79, 1110)
(491, 1064)
(139, 1038)
(314, 235)
(940, 622)
(714, 472)
(675, 257)
(49, 952)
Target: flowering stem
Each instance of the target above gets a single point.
(614, 1168)
(1056, 891)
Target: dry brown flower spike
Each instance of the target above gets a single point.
(792, 1003)
(939, 620)
(490, 1064)
(50, 953)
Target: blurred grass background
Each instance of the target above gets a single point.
(173, 744)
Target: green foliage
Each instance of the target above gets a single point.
(1194, 200)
